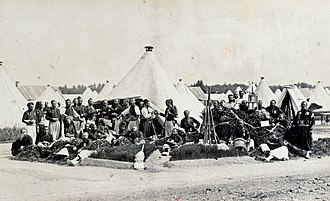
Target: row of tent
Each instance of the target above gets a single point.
(146, 79)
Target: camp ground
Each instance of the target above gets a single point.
(164, 100)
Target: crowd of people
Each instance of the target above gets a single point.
(137, 122)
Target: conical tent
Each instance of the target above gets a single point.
(278, 93)
(238, 89)
(198, 92)
(148, 80)
(298, 93)
(264, 92)
(95, 93)
(288, 102)
(12, 102)
(88, 93)
(320, 97)
(328, 91)
(49, 94)
(185, 92)
(105, 91)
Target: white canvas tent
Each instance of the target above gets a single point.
(319, 96)
(298, 93)
(264, 92)
(88, 93)
(95, 93)
(278, 93)
(49, 94)
(328, 91)
(238, 89)
(148, 80)
(288, 102)
(12, 101)
(108, 87)
(185, 92)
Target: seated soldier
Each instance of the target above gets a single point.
(240, 131)
(175, 140)
(243, 106)
(82, 149)
(69, 128)
(135, 136)
(95, 134)
(22, 141)
(44, 137)
(102, 127)
(282, 121)
(190, 126)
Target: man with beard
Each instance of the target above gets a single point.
(30, 118)
(90, 112)
(190, 125)
(115, 111)
(53, 116)
(80, 109)
(304, 123)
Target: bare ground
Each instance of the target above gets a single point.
(289, 180)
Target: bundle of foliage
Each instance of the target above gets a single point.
(125, 152)
(321, 147)
(199, 151)
(9, 134)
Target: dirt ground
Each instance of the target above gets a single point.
(226, 179)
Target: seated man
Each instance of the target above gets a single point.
(243, 106)
(282, 121)
(190, 125)
(102, 127)
(69, 128)
(95, 134)
(175, 140)
(44, 136)
(231, 104)
(273, 110)
(24, 140)
(135, 136)
(82, 149)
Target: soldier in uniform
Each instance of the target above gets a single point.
(304, 123)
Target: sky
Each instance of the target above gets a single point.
(74, 42)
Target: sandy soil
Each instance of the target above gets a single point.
(223, 179)
(289, 180)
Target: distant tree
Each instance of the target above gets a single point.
(200, 84)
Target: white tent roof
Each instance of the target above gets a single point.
(12, 101)
(95, 93)
(215, 96)
(71, 96)
(264, 92)
(108, 87)
(328, 91)
(49, 94)
(222, 97)
(185, 92)
(278, 93)
(298, 93)
(148, 80)
(88, 93)
(238, 89)
(292, 105)
(320, 97)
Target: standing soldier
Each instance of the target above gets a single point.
(80, 109)
(53, 116)
(90, 112)
(29, 118)
(305, 122)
